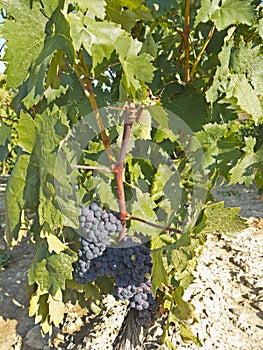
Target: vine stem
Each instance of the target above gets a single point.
(186, 39)
(89, 92)
(118, 172)
(208, 39)
(118, 168)
(169, 229)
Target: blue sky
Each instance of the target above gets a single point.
(2, 66)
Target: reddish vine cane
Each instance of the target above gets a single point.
(132, 113)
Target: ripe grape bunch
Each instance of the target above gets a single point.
(129, 263)
(96, 228)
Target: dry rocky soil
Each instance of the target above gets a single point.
(227, 294)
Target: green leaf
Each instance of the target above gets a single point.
(159, 275)
(142, 129)
(247, 98)
(50, 271)
(91, 291)
(182, 309)
(160, 116)
(57, 39)
(56, 196)
(226, 12)
(178, 258)
(136, 68)
(127, 13)
(24, 35)
(143, 206)
(222, 73)
(5, 134)
(27, 133)
(187, 335)
(55, 70)
(246, 59)
(184, 240)
(95, 8)
(105, 192)
(38, 274)
(223, 220)
(98, 38)
(233, 11)
(149, 46)
(188, 105)
(244, 170)
(161, 177)
(21, 191)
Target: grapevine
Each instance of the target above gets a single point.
(125, 114)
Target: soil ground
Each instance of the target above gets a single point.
(227, 294)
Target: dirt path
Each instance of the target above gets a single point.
(227, 294)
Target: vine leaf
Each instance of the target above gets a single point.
(222, 72)
(24, 35)
(127, 13)
(159, 275)
(246, 59)
(56, 203)
(137, 68)
(57, 39)
(182, 309)
(244, 170)
(226, 12)
(238, 81)
(98, 38)
(95, 8)
(21, 192)
(187, 335)
(241, 89)
(27, 132)
(105, 192)
(223, 220)
(55, 244)
(39, 308)
(188, 102)
(56, 308)
(50, 271)
(143, 206)
(5, 134)
(47, 308)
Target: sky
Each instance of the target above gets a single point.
(2, 65)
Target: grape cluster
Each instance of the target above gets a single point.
(96, 228)
(129, 263)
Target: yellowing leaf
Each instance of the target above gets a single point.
(55, 244)
(56, 308)
(223, 220)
